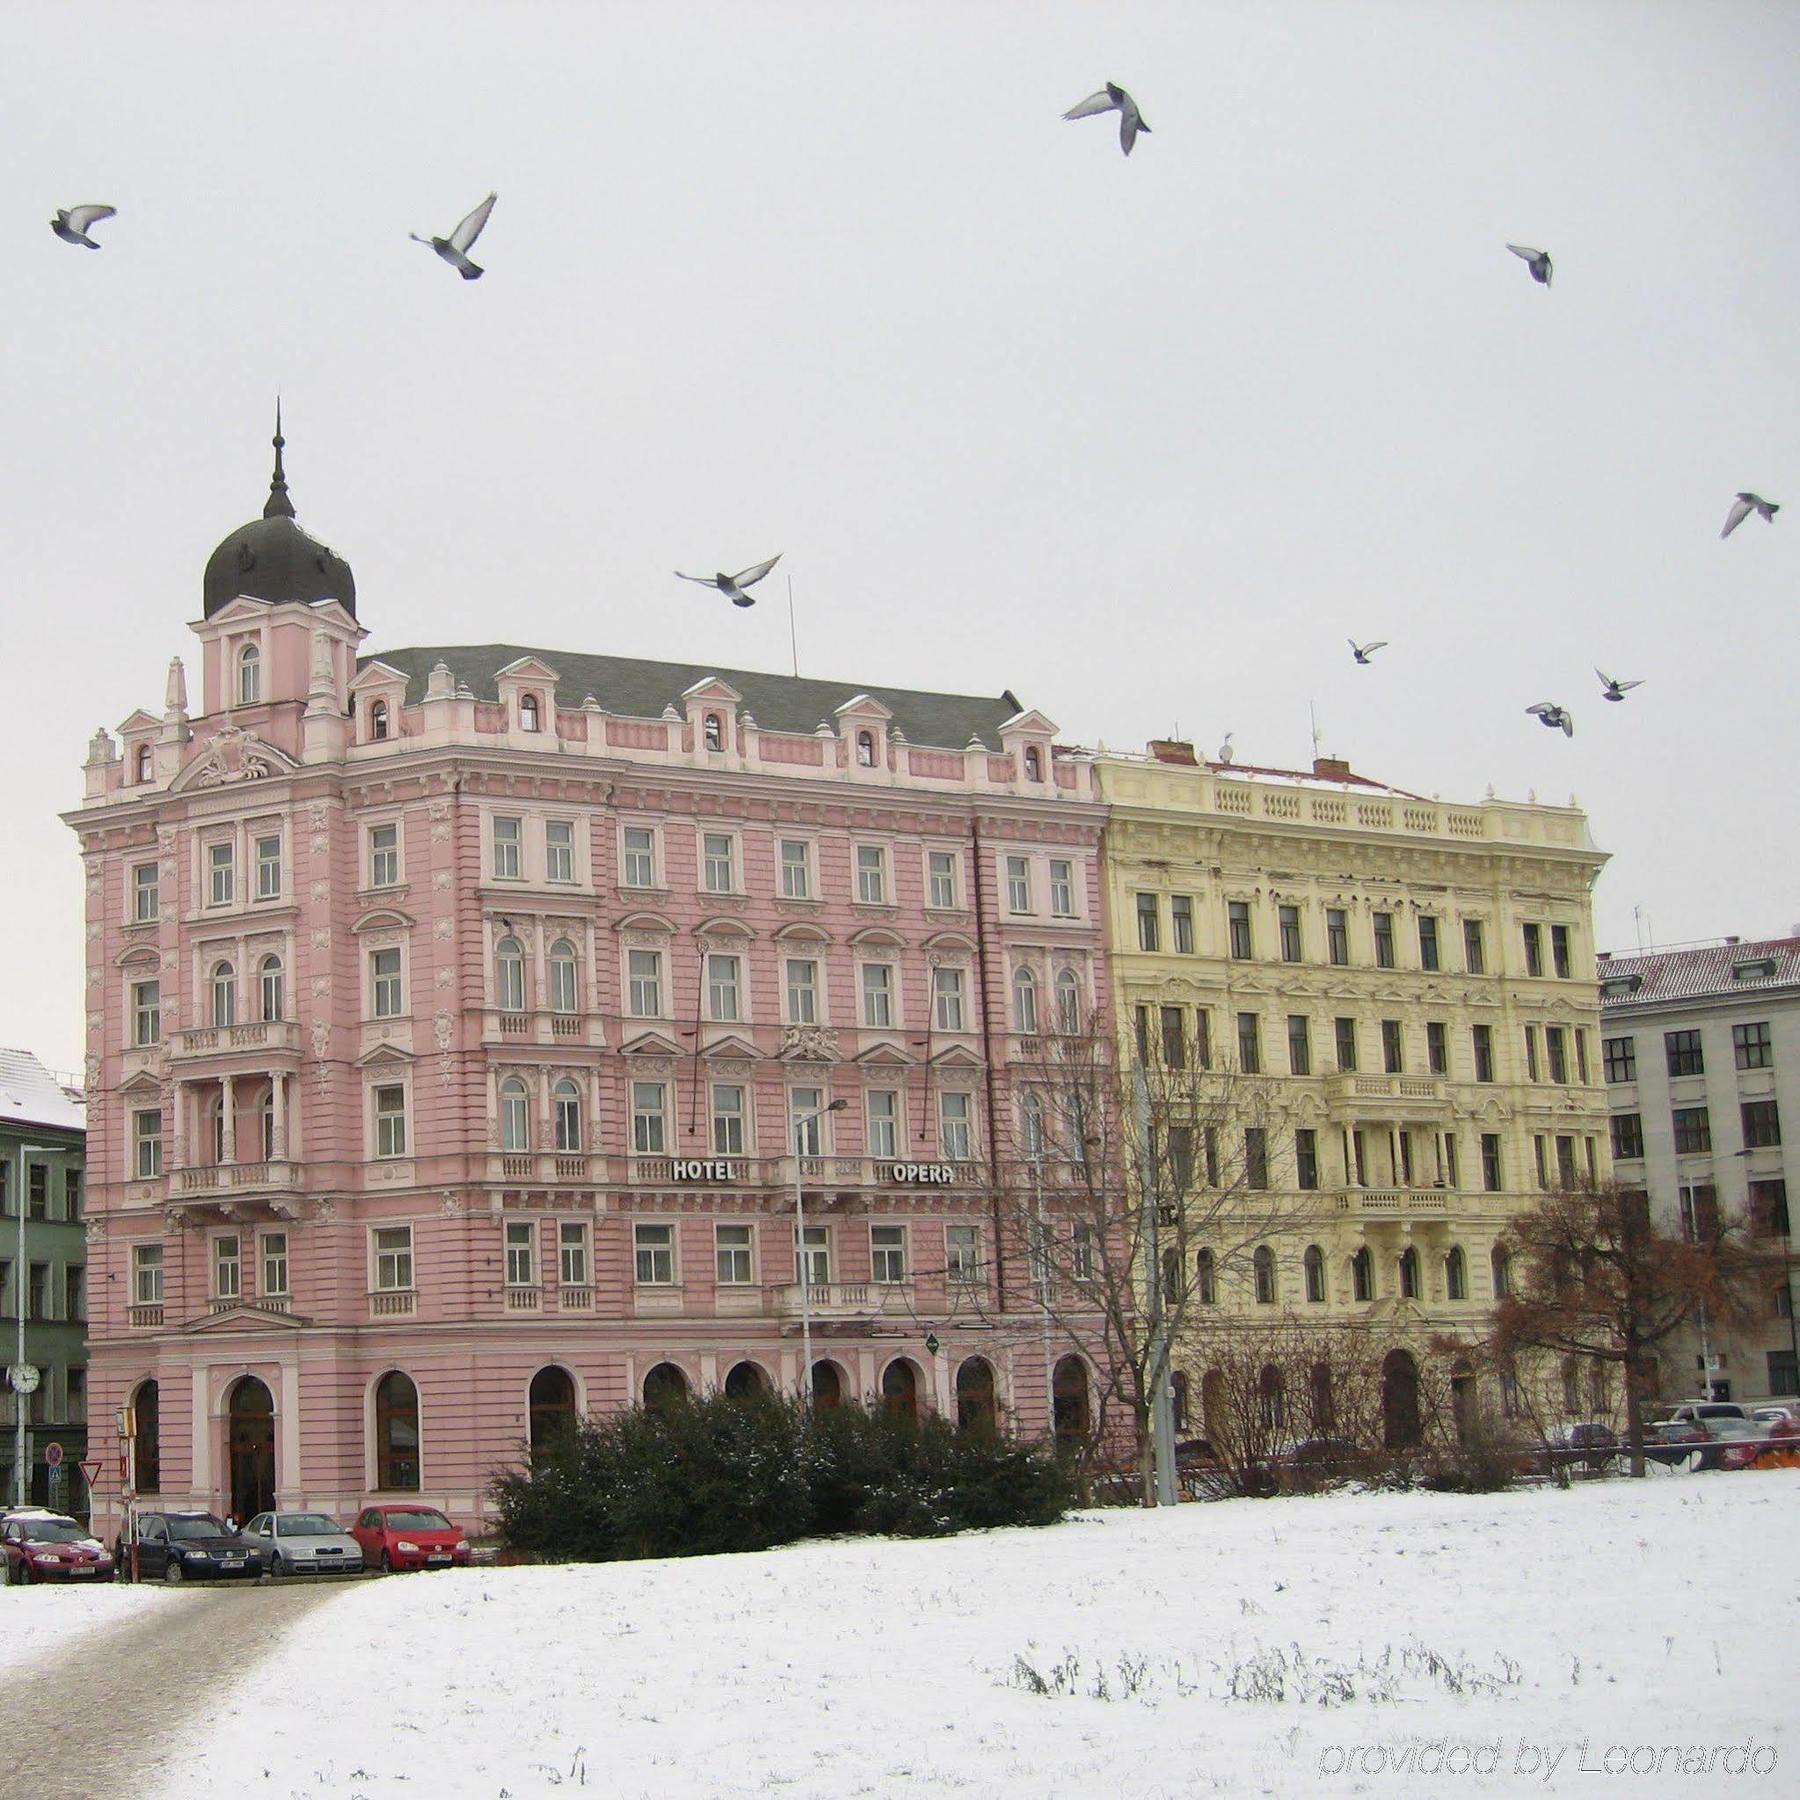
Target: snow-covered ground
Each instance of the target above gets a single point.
(1401, 1644)
(38, 1621)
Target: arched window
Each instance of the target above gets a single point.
(271, 986)
(1315, 1273)
(1271, 1399)
(396, 1433)
(1069, 1400)
(566, 1098)
(1205, 1278)
(528, 712)
(746, 1382)
(1172, 1271)
(552, 1407)
(1263, 1267)
(900, 1389)
(1178, 1398)
(1213, 1409)
(1324, 1405)
(1571, 1385)
(146, 1413)
(865, 749)
(265, 1122)
(1599, 1390)
(1362, 1274)
(827, 1385)
(975, 1408)
(1024, 1001)
(1068, 1003)
(665, 1388)
(1034, 763)
(224, 994)
(509, 975)
(714, 728)
(378, 719)
(1465, 1402)
(515, 1119)
(1456, 1274)
(1031, 1126)
(1501, 1262)
(214, 1111)
(249, 675)
(1409, 1273)
(564, 994)
(1400, 1429)
(145, 763)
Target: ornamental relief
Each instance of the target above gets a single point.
(640, 939)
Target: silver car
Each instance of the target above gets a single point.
(303, 1543)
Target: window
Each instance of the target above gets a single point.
(72, 1193)
(1693, 1130)
(647, 1131)
(274, 1276)
(1362, 1275)
(1025, 1016)
(1299, 1036)
(1290, 933)
(1256, 1156)
(384, 978)
(716, 872)
(644, 983)
(796, 869)
(249, 675)
(1490, 1162)
(147, 1275)
(727, 1119)
(1559, 952)
(1534, 949)
(1627, 1134)
(1174, 1038)
(1313, 1264)
(146, 1012)
(865, 749)
(528, 712)
(378, 720)
(1346, 1045)
(1751, 1046)
(1068, 1003)
(871, 874)
(1206, 1289)
(1556, 1047)
(1181, 914)
(1581, 1055)
(878, 996)
(572, 1251)
(565, 1106)
(1619, 1059)
(1148, 922)
(390, 1121)
(1018, 884)
(962, 1255)
(731, 1255)
(1437, 1048)
(146, 1144)
(1699, 1212)
(1428, 942)
(224, 994)
(509, 975)
(384, 855)
(1337, 936)
(145, 763)
(1062, 889)
(227, 1268)
(1474, 949)
(1262, 1266)
(1249, 1031)
(1031, 1127)
(957, 1128)
(1456, 1274)
(1306, 1159)
(1384, 940)
(1500, 1263)
(712, 732)
(221, 866)
(268, 868)
(723, 990)
(37, 1194)
(941, 879)
(1393, 1058)
(1769, 1208)
(1034, 763)
(521, 1253)
(270, 989)
(1409, 1273)
(812, 1257)
(887, 1253)
(1237, 914)
(559, 850)
(507, 833)
(881, 1115)
(1543, 1161)
(637, 867)
(565, 993)
(146, 894)
(654, 1248)
(1762, 1124)
(802, 991)
(1531, 1053)
(947, 998)
(1565, 1161)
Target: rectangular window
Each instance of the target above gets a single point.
(1149, 922)
(146, 1144)
(1249, 1033)
(654, 1252)
(1018, 884)
(1565, 1160)
(1684, 1054)
(1428, 942)
(559, 850)
(1144, 1017)
(731, 1255)
(384, 856)
(1174, 1038)
(1181, 917)
(1474, 949)
(643, 969)
(274, 1274)
(1699, 1212)
(384, 981)
(956, 1118)
(723, 992)
(812, 1258)
(1531, 1053)
(1337, 936)
(74, 1292)
(947, 998)
(1556, 1047)
(1769, 1208)
(221, 874)
(1306, 1159)
(962, 1254)
(1693, 1130)
(1490, 1162)
(805, 1127)
(1256, 1157)
(1540, 1150)
(1619, 1059)
(147, 1275)
(268, 868)
(802, 991)
(1437, 1047)
(37, 1190)
(72, 1184)
(1534, 949)
(507, 833)
(871, 874)
(390, 1121)
(1450, 1160)
(1627, 1135)
(227, 1268)
(796, 869)
(1392, 1057)
(887, 1253)
(37, 1303)
(572, 1253)
(1345, 1030)
(1762, 1124)
(1062, 889)
(727, 1119)
(940, 868)
(1289, 917)
(878, 995)
(1299, 1044)
(647, 1133)
(1384, 940)
(1237, 918)
(1202, 1038)
(1559, 952)
(1752, 1047)
(146, 894)
(521, 1253)
(881, 1112)
(717, 875)
(1581, 1054)
(637, 866)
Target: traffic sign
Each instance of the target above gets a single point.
(53, 1455)
(91, 1472)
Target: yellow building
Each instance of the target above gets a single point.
(1407, 988)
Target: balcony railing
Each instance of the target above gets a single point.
(247, 1303)
(236, 1178)
(575, 1299)
(1409, 1092)
(144, 1318)
(842, 1299)
(217, 1040)
(391, 1302)
(524, 1299)
(1397, 1203)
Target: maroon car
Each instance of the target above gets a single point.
(409, 1537)
(48, 1546)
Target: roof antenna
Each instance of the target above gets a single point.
(793, 642)
(1312, 714)
(279, 506)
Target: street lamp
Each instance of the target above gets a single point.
(800, 1258)
(21, 1469)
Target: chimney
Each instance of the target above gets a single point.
(1331, 768)
(1174, 750)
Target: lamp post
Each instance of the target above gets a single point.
(800, 1258)
(21, 1469)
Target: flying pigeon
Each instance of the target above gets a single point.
(1362, 652)
(1538, 261)
(1558, 718)
(72, 223)
(732, 586)
(1113, 98)
(1743, 506)
(454, 248)
(1614, 690)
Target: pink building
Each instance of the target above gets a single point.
(455, 1014)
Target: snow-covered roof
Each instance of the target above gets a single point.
(1707, 971)
(31, 1095)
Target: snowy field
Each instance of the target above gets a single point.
(38, 1621)
(1403, 1644)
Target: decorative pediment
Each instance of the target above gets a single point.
(242, 1318)
(723, 928)
(808, 1043)
(377, 674)
(383, 918)
(877, 937)
(232, 755)
(862, 706)
(140, 959)
(801, 932)
(737, 1048)
(646, 921)
(140, 721)
(885, 1056)
(949, 943)
(651, 1043)
(1034, 721)
(385, 1052)
(710, 687)
(955, 1056)
(528, 668)
(143, 1082)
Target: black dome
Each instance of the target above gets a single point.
(272, 559)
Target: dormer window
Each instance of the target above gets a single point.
(144, 769)
(865, 749)
(714, 732)
(528, 712)
(378, 720)
(249, 675)
(1034, 764)
(1757, 968)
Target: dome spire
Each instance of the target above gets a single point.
(278, 505)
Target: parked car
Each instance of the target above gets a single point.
(409, 1537)
(303, 1543)
(188, 1546)
(1589, 1443)
(1777, 1421)
(1673, 1441)
(1735, 1444)
(36, 1545)
(1708, 1413)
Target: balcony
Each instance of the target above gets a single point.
(144, 1318)
(226, 1040)
(389, 1303)
(575, 1299)
(260, 1189)
(524, 1299)
(827, 1300)
(1387, 1096)
(703, 1171)
(1398, 1206)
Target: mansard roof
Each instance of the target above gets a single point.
(641, 689)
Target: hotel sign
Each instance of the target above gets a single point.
(708, 1171)
(922, 1174)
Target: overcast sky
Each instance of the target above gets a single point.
(1142, 440)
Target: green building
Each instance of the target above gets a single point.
(43, 1137)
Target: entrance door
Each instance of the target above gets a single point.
(252, 1449)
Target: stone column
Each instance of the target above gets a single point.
(178, 1107)
(227, 1119)
(278, 1117)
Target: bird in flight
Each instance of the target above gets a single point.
(1557, 718)
(732, 586)
(72, 223)
(1614, 690)
(1113, 98)
(1537, 261)
(455, 248)
(1362, 652)
(1743, 506)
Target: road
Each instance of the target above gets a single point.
(102, 1719)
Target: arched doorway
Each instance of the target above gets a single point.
(900, 1389)
(665, 1388)
(251, 1437)
(147, 1450)
(552, 1407)
(1069, 1397)
(975, 1408)
(746, 1382)
(827, 1384)
(1399, 1401)
(396, 1433)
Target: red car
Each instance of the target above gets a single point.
(409, 1537)
(48, 1546)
